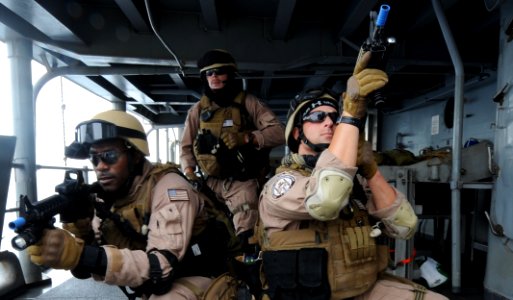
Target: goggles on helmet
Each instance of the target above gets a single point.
(320, 116)
(93, 131)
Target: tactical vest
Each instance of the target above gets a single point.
(351, 259)
(212, 155)
(126, 226)
(213, 232)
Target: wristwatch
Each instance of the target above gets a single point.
(350, 120)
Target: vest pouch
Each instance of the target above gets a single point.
(208, 164)
(312, 264)
(312, 273)
(297, 274)
(207, 254)
(279, 268)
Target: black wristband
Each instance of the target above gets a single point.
(350, 120)
(92, 260)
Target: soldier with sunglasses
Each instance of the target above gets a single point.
(149, 230)
(227, 139)
(321, 226)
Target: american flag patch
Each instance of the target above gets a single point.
(175, 194)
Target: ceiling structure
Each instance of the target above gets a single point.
(144, 52)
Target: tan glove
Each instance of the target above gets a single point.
(234, 139)
(362, 83)
(57, 249)
(81, 228)
(192, 176)
(365, 161)
(78, 228)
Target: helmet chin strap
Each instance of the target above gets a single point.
(315, 147)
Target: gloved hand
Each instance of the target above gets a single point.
(365, 161)
(57, 249)
(193, 178)
(234, 139)
(81, 228)
(362, 83)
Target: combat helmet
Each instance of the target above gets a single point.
(112, 124)
(216, 58)
(300, 106)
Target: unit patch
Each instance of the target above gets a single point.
(282, 184)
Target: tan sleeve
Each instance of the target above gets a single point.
(270, 131)
(388, 211)
(190, 130)
(282, 200)
(175, 206)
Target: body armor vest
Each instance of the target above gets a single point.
(212, 233)
(212, 155)
(352, 264)
(125, 225)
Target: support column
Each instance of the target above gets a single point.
(23, 106)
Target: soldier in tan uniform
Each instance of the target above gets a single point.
(227, 137)
(145, 220)
(317, 236)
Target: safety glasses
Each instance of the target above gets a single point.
(108, 157)
(218, 72)
(320, 116)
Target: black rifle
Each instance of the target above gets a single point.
(73, 201)
(380, 47)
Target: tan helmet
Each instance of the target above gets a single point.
(301, 104)
(113, 124)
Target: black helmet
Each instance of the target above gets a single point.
(301, 105)
(216, 58)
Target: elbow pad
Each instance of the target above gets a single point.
(402, 224)
(331, 193)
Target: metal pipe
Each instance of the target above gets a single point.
(24, 119)
(98, 71)
(456, 147)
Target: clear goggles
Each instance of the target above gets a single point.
(93, 131)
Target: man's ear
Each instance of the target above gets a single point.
(295, 133)
(138, 157)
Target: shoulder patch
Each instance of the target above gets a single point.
(177, 195)
(282, 184)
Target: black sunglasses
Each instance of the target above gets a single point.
(220, 71)
(108, 157)
(320, 116)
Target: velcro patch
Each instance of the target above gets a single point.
(228, 123)
(175, 194)
(282, 185)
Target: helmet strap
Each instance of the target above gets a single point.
(315, 147)
(310, 160)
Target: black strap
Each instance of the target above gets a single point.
(350, 120)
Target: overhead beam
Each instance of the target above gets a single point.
(282, 20)
(133, 15)
(357, 12)
(210, 16)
